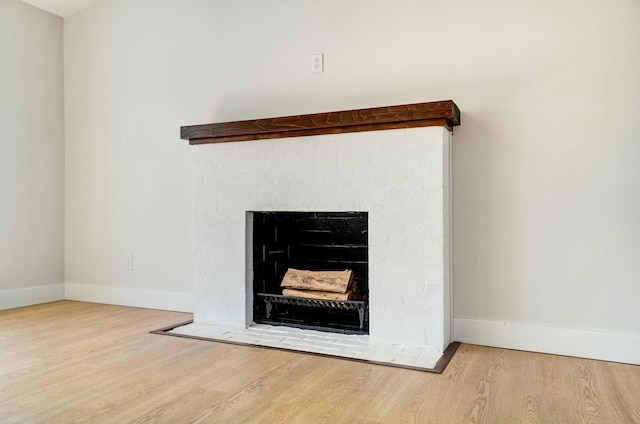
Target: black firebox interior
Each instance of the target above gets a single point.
(317, 241)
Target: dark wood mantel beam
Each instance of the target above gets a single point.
(442, 113)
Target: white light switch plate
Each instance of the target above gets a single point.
(317, 63)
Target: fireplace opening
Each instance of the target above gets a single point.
(314, 241)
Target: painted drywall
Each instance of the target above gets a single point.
(546, 188)
(31, 156)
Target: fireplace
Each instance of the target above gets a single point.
(386, 167)
(318, 241)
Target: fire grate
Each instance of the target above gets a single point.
(347, 305)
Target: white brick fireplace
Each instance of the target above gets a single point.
(399, 176)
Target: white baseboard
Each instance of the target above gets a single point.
(139, 298)
(560, 341)
(18, 298)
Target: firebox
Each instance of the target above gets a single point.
(315, 241)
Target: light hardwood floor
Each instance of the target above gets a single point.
(73, 362)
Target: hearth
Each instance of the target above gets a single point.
(317, 241)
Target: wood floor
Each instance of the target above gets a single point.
(71, 362)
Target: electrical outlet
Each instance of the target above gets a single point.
(128, 263)
(317, 63)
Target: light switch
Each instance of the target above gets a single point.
(317, 63)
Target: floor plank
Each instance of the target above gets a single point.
(73, 362)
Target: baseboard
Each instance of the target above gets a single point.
(560, 341)
(18, 298)
(139, 298)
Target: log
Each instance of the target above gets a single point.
(330, 281)
(312, 294)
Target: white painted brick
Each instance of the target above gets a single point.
(398, 176)
(308, 343)
(379, 357)
(260, 338)
(321, 339)
(299, 341)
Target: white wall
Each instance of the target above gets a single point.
(546, 182)
(31, 156)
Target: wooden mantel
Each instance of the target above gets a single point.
(442, 113)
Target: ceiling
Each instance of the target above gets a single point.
(62, 8)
